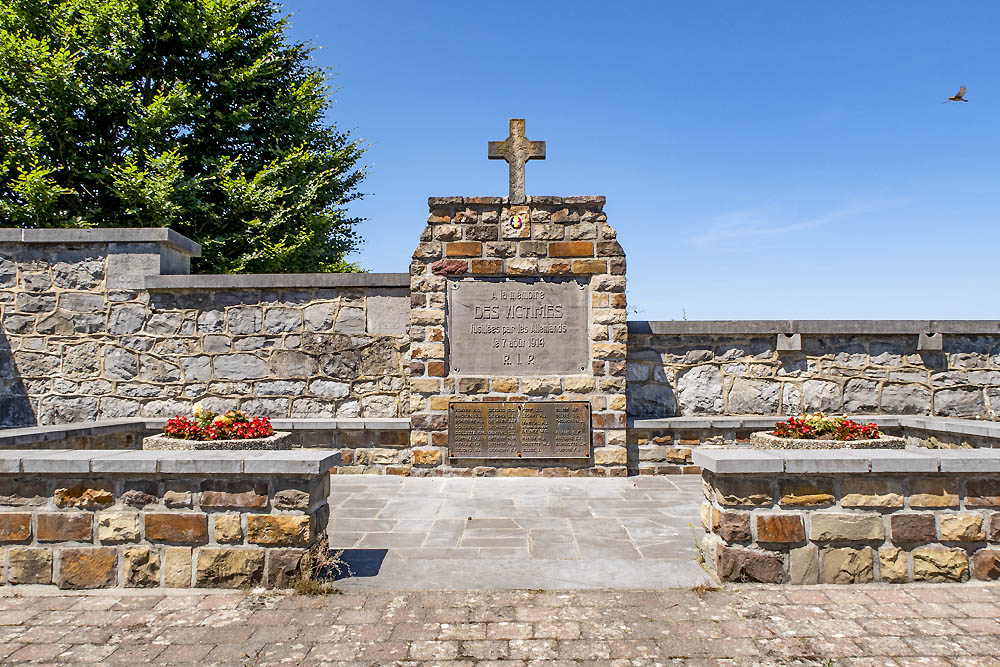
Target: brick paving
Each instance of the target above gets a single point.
(943, 624)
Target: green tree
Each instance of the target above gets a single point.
(199, 115)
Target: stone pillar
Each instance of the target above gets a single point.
(473, 242)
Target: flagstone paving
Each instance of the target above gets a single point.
(511, 533)
(943, 624)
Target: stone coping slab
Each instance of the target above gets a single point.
(753, 461)
(839, 327)
(942, 424)
(767, 440)
(276, 280)
(130, 461)
(162, 235)
(278, 440)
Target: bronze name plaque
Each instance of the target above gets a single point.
(509, 430)
(518, 326)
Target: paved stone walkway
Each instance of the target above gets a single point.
(510, 533)
(747, 625)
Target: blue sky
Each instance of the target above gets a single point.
(763, 160)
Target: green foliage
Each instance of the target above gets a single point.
(197, 115)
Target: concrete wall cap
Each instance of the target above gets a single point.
(127, 461)
(162, 235)
(277, 281)
(812, 327)
(737, 461)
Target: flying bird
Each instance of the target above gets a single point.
(957, 97)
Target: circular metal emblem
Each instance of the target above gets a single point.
(516, 222)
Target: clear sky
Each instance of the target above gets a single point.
(765, 160)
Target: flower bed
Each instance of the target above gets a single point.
(817, 431)
(209, 430)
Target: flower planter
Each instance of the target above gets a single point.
(766, 440)
(280, 440)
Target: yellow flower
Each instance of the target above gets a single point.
(197, 410)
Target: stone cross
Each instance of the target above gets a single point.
(516, 149)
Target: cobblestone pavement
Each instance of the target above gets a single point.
(740, 625)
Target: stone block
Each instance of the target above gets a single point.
(739, 564)
(65, 527)
(88, 567)
(229, 568)
(831, 527)
(29, 565)
(15, 527)
(994, 532)
(227, 528)
(279, 529)
(933, 492)
(463, 249)
(983, 492)
(731, 526)
(234, 494)
(736, 492)
(860, 492)
(610, 456)
(806, 492)
(780, 528)
(176, 499)
(291, 499)
(177, 527)
(20, 493)
(117, 527)
(283, 566)
(913, 528)
(426, 456)
(142, 567)
(177, 567)
(938, 564)
(986, 565)
(571, 249)
(89, 495)
(963, 527)
(708, 516)
(803, 565)
(892, 565)
(517, 472)
(847, 566)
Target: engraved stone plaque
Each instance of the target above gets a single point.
(510, 430)
(518, 327)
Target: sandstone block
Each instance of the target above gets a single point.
(571, 249)
(610, 456)
(177, 567)
(803, 565)
(291, 499)
(731, 526)
(142, 567)
(177, 528)
(517, 472)
(986, 565)
(983, 492)
(937, 564)
(279, 529)
(913, 528)
(806, 492)
(174, 498)
(65, 527)
(847, 566)
(15, 527)
(994, 534)
(933, 493)
(216, 494)
(708, 516)
(734, 491)
(780, 528)
(678, 455)
(428, 456)
(115, 527)
(829, 527)
(283, 566)
(227, 528)
(85, 496)
(964, 527)
(892, 565)
(20, 493)
(872, 493)
(229, 568)
(29, 565)
(739, 564)
(504, 385)
(88, 567)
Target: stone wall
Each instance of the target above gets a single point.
(197, 524)
(802, 518)
(86, 336)
(671, 373)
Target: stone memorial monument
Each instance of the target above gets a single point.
(518, 330)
